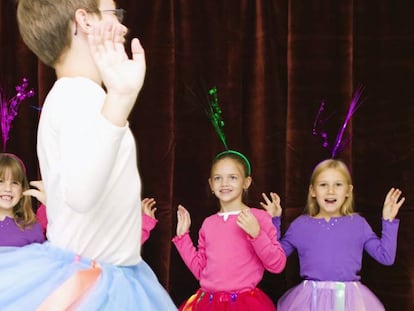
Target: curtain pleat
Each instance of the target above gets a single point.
(273, 63)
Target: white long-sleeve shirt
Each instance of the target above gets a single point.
(89, 169)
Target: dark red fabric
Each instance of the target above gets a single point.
(273, 61)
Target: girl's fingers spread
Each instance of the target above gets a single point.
(398, 193)
(37, 183)
(275, 198)
(265, 197)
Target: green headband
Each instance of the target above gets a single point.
(241, 155)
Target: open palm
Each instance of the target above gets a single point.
(119, 73)
(392, 204)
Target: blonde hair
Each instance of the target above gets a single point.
(22, 213)
(45, 25)
(312, 207)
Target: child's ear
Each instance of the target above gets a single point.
(312, 191)
(210, 183)
(351, 188)
(82, 20)
(247, 182)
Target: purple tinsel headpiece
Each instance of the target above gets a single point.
(9, 107)
(340, 142)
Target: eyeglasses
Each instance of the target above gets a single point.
(119, 13)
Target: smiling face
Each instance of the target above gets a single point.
(228, 182)
(330, 189)
(10, 194)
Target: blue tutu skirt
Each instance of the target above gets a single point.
(329, 296)
(32, 275)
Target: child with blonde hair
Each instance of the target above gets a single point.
(330, 239)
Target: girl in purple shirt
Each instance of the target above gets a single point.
(330, 239)
(18, 226)
(235, 245)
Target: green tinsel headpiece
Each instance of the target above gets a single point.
(214, 113)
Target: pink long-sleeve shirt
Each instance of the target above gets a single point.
(227, 258)
(148, 223)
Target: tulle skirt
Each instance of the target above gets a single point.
(250, 300)
(329, 296)
(47, 278)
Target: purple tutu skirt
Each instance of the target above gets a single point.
(329, 296)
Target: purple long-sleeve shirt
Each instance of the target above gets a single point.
(12, 235)
(332, 250)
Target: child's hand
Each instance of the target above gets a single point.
(38, 192)
(122, 76)
(118, 72)
(391, 204)
(147, 206)
(272, 206)
(183, 220)
(248, 222)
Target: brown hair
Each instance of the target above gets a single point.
(312, 207)
(45, 25)
(22, 212)
(236, 156)
(240, 159)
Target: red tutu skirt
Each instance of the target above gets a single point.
(249, 300)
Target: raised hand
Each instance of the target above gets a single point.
(392, 204)
(272, 205)
(248, 222)
(147, 206)
(122, 76)
(38, 192)
(119, 73)
(183, 220)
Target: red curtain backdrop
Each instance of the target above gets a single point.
(273, 62)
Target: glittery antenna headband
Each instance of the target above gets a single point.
(214, 113)
(9, 107)
(340, 142)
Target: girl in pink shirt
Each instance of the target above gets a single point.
(235, 245)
